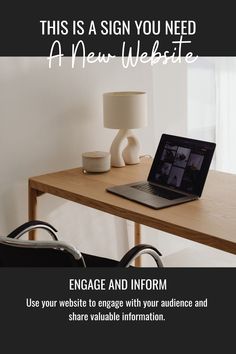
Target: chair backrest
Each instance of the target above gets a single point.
(15, 252)
(21, 253)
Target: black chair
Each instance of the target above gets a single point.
(53, 253)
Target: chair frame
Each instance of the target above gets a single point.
(13, 239)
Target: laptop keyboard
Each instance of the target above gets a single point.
(161, 192)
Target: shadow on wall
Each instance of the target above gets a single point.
(89, 230)
(13, 206)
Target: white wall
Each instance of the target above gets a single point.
(47, 119)
(202, 99)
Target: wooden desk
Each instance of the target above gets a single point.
(210, 220)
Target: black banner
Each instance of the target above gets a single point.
(192, 304)
(151, 28)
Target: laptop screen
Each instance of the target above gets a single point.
(182, 164)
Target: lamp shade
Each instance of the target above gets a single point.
(125, 110)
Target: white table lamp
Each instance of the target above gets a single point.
(125, 111)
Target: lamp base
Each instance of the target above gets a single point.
(130, 154)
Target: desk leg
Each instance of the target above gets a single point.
(32, 208)
(137, 241)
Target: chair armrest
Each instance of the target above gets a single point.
(137, 251)
(32, 225)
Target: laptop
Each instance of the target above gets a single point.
(177, 175)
